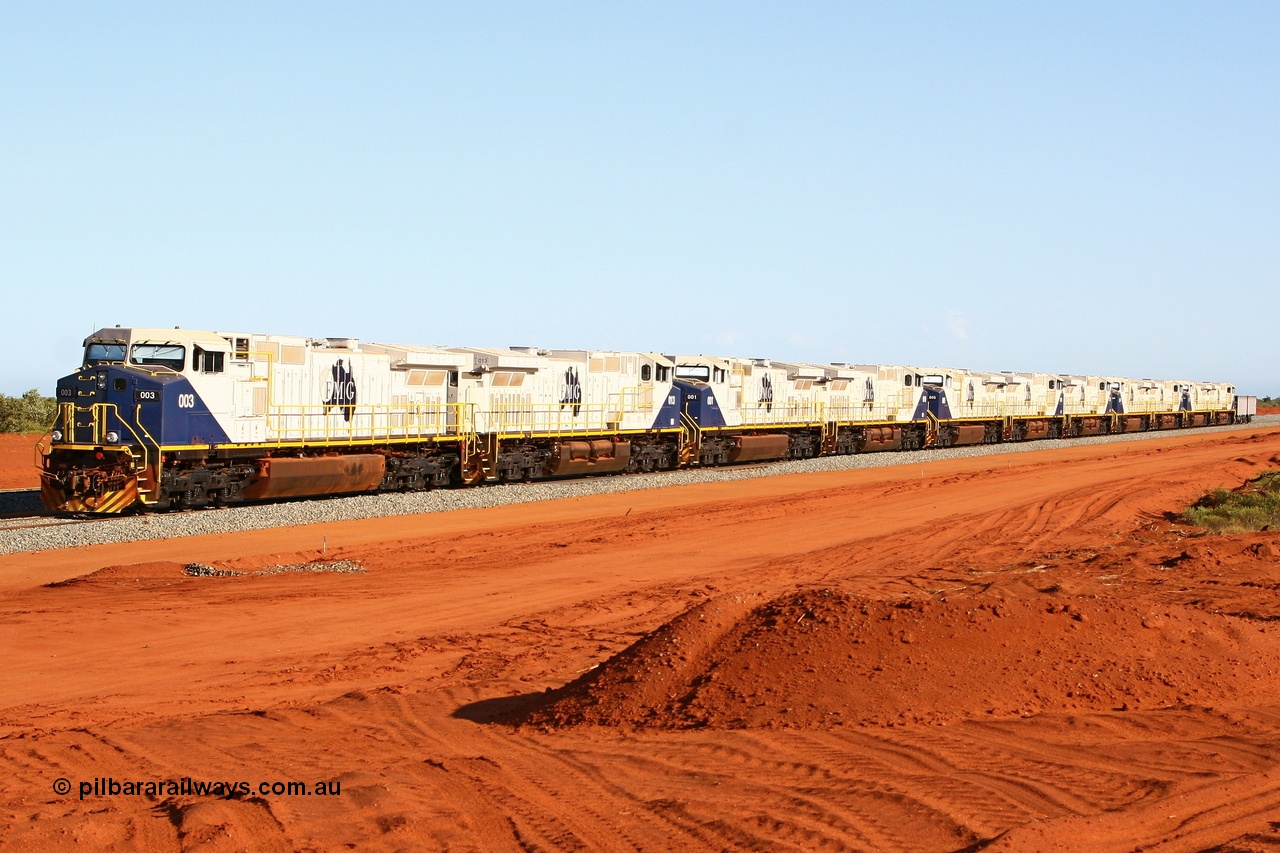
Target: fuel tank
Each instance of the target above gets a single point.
(751, 448)
(1089, 426)
(598, 456)
(880, 438)
(316, 475)
(969, 434)
(1036, 430)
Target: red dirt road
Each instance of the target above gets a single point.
(1003, 653)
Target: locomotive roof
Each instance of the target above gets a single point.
(491, 358)
(411, 355)
(130, 334)
(802, 369)
(709, 360)
(435, 355)
(849, 371)
(587, 353)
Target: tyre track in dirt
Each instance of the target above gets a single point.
(377, 680)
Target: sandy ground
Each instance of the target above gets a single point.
(1002, 653)
(18, 465)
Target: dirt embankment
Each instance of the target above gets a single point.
(19, 466)
(822, 657)
(1001, 654)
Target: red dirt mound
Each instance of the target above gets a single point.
(164, 570)
(821, 657)
(133, 573)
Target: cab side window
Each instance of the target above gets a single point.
(204, 361)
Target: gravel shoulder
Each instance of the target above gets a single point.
(57, 533)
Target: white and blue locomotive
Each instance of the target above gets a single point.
(173, 418)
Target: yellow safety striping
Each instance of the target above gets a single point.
(55, 500)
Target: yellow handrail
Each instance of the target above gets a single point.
(765, 414)
(515, 419)
(368, 422)
(98, 414)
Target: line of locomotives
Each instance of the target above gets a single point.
(172, 418)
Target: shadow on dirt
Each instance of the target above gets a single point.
(507, 710)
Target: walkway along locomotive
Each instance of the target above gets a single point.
(172, 418)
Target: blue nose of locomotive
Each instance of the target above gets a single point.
(105, 405)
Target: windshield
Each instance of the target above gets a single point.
(693, 371)
(172, 356)
(95, 353)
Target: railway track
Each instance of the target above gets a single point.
(36, 521)
(26, 527)
(40, 517)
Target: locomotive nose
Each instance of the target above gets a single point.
(76, 395)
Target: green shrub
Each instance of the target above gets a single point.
(1254, 506)
(28, 413)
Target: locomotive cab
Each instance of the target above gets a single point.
(135, 391)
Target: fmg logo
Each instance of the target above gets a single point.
(766, 392)
(341, 390)
(571, 391)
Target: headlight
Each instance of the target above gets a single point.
(113, 437)
(56, 435)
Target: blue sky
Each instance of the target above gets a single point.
(1081, 188)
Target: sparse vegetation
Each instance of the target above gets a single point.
(1253, 506)
(28, 413)
(1269, 402)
